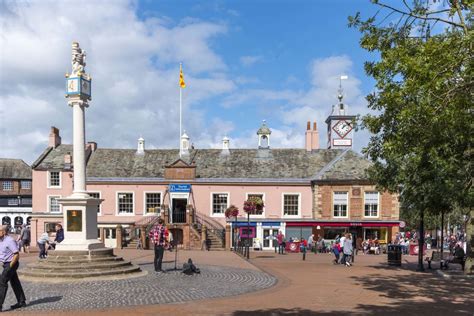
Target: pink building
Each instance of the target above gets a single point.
(310, 190)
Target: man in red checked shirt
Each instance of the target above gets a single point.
(159, 236)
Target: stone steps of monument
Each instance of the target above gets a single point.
(43, 273)
(81, 259)
(77, 266)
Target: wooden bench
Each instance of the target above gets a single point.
(435, 256)
(461, 261)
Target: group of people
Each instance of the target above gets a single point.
(44, 243)
(344, 246)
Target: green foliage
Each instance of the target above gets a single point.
(422, 129)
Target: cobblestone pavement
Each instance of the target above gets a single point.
(170, 287)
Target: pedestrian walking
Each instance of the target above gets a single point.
(347, 250)
(25, 238)
(158, 236)
(281, 242)
(311, 242)
(10, 258)
(336, 249)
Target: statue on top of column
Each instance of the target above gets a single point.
(78, 60)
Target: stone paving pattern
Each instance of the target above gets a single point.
(154, 288)
(312, 287)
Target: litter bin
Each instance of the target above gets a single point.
(394, 253)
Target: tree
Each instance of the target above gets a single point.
(422, 128)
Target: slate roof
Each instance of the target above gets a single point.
(252, 164)
(14, 169)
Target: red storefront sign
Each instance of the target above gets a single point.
(344, 224)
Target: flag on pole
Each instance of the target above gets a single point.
(343, 77)
(182, 84)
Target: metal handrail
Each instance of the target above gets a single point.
(212, 225)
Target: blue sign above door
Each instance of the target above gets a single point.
(182, 188)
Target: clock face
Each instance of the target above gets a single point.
(342, 128)
(86, 87)
(73, 85)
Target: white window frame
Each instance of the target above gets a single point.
(347, 204)
(48, 179)
(117, 203)
(11, 184)
(26, 181)
(49, 204)
(211, 209)
(100, 205)
(378, 204)
(264, 202)
(145, 212)
(283, 205)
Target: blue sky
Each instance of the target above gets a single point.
(244, 61)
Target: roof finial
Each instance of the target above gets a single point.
(340, 91)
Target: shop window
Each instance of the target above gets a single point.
(25, 185)
(291, 204)
(153, 203)
(54, 179)
(371, 202)
(340, 204)
(26, 201)
(13, 201)
(125, 203)
(110, 233)
(219, 203)
(54, 206)
(7, 185)
(333, 232)
(298, 233)
(95, 195)
(50, 227)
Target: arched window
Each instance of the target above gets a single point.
(6, 220)
(18, 221)
(28, 220)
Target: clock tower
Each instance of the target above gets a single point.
(340, 125)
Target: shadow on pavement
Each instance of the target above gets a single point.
(44, 300)
(418, 293)
(288, 312)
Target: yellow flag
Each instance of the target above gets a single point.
(181, 78)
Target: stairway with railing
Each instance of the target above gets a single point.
(215, 231)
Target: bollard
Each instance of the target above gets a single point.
(304, 253)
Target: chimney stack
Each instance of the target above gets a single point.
(54, 138)
(312, 137)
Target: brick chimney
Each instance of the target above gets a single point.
(312, 137)
(54, 138)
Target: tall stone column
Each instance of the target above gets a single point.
(79, 209)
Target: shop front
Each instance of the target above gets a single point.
(383, 231)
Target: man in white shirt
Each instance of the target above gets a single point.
(341, 242)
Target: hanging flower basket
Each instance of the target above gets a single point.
(232, 211)
(253, 204)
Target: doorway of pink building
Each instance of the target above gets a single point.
(178, 211)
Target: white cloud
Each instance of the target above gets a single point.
(250, 60)
(134, 65)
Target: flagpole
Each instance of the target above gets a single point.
(180, 115)
(180, 118)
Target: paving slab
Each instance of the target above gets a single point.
(314, 287)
